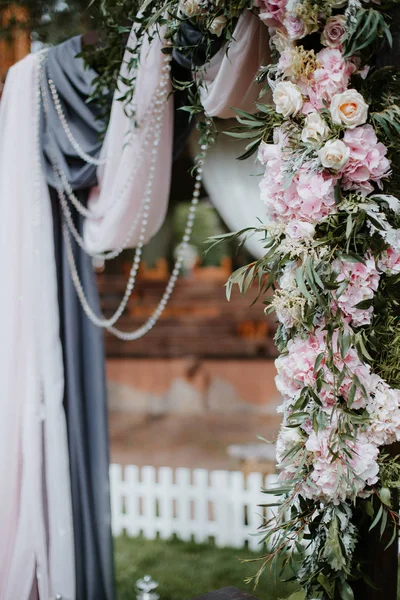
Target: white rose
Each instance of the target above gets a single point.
(190, 7)
(349, 108)
(315, 129)
(299, 230)
(288, 99)
(218, 25)
(334, 155)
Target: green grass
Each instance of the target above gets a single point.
(185, 569)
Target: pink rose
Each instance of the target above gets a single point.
(299, 230)
(272, 12)
(295, 27)
(334, 32)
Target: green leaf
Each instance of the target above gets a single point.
(392, 539)
(297, 596)
(349, 226)
(364, 304)
(385, 496)
(346, 593)
(302, 286)
(377, 518)
(318, 361)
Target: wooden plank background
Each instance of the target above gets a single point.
(198, 321)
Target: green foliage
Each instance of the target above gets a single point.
(52, 21)
(207, 224)
(368, 28)
(257, 128)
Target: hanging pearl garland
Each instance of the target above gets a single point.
(80, 152)
(153, 136)
(152, 320)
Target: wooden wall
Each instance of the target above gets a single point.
(16, 44)
(198, 320)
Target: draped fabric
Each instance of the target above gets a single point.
(73, 82)
(36, 472)
(124, 176)
(228, 81)
(85, 397)
(35, 503)
(233, 186)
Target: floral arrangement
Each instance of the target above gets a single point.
(332, 238)
(329, 148)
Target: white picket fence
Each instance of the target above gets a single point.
(197, 504)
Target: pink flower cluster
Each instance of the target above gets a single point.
(272, 12)
(297, 195)
(331, 77)
(296, 371)
(390, 262)
(384, 410)
(363, 282)
(332, 479)
(308, 196)
(367, 160)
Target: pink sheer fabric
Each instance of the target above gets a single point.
(35, 505)
(229, 77)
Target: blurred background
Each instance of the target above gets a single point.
(193, 395)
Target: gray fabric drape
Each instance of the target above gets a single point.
(83, 351)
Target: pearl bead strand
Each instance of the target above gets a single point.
(74, 143)
(152, 320)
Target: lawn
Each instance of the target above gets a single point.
(185, 569)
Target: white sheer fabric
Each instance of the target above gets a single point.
(229, 78)
(35, 505)
(233, 186)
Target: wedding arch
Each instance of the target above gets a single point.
(315, 95)
(328, 143)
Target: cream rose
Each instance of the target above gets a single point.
(334, 155)
(190, 7)
(315, 129)
(282, 42)
(349, 108)
(288, 99)
(334, 31)
(218, 25)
